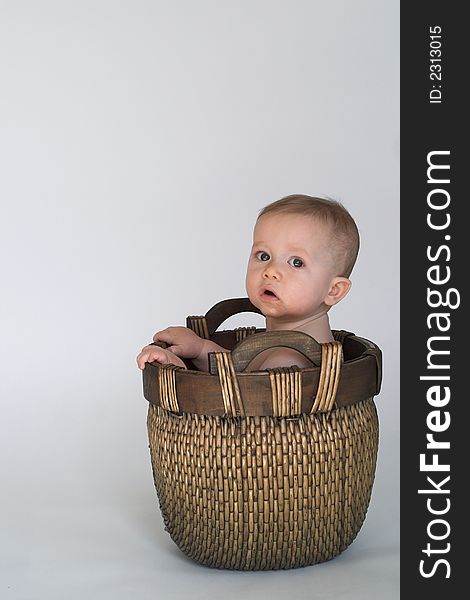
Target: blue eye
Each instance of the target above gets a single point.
(296, 262)
(261, 255)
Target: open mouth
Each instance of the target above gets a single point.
(269, 295)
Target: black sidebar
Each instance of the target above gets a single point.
(435, 251)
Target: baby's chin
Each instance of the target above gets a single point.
(283, 314)
(274, 310)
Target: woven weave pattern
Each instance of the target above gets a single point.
(286, 389)
(264, 492)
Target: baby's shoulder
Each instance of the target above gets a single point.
(279, 357)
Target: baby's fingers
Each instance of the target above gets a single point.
(142, 358)
(163, 336)
(151, 354)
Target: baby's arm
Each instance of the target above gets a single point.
(185, 343)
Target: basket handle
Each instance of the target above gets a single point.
(246, 350)
(221, 311)
(215, 316)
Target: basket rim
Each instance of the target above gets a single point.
(198, 392)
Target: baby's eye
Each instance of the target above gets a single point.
(296, 262)
(261, 255)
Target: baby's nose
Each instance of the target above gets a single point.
(271, 272)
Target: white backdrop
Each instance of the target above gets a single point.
(138, 141)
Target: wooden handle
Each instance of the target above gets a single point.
(221, 311)
(247, 349)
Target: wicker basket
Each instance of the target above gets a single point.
(270, 469)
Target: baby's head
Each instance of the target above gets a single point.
(304, 249)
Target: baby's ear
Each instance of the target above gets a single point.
(339, 287)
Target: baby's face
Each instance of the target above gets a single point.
(290, 269)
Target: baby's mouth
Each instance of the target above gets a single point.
(268, 294)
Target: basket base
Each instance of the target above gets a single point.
(264, 493)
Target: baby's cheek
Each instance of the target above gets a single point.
(250, 295)
(249, 282)
(302, 295)
(250, 292)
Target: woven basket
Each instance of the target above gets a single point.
(270, 469)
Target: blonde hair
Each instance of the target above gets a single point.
(343, 229)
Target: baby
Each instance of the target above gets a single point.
(304, 249)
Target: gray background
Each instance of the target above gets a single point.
(138, 141)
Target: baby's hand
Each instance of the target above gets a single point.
(156, 354)
(181, 341)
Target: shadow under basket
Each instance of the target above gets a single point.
(269, 469)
